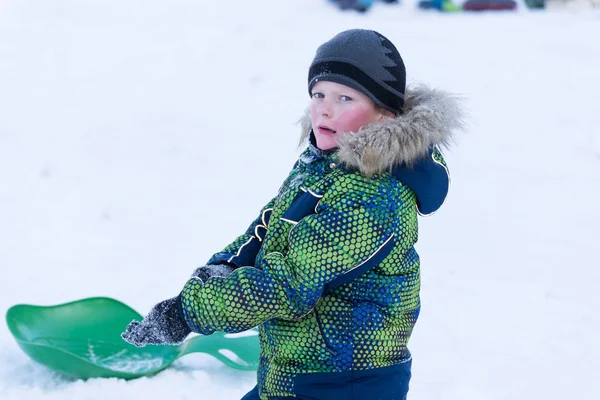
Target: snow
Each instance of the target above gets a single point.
(139, 137)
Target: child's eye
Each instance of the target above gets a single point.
(318, 95)
(345, 98)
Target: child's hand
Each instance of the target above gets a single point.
(164, 324)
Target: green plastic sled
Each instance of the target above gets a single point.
(83, 339)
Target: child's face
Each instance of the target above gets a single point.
(337, 108)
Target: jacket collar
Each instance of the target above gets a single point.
(406, 146)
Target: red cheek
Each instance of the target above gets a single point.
(352, 120)
(313, 114)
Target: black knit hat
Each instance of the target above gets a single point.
(366, 61)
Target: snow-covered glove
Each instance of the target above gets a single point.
(164, 324)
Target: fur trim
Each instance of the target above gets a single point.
(430, 118)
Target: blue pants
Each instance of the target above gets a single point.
(385, 383)
(253, 395)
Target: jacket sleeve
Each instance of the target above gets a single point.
(351, 234)
(243, 250)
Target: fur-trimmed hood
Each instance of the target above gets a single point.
(430, 118)
(406, 146)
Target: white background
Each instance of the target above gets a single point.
(139, 137)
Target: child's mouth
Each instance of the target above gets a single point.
(324, 129)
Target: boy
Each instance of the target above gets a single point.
(328, 270)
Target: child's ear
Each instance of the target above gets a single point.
(385, 113)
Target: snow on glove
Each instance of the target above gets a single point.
(215, 270)
(164, 324)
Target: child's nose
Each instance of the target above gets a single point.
(325, 108)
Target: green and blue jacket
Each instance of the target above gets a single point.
(328, 270)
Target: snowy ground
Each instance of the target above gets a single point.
(139, 137)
